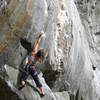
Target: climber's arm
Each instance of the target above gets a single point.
(37, 44)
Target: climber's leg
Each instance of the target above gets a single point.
(37, 81)
(24, 76)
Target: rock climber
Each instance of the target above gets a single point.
(30, 68)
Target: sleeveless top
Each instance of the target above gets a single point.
(31, 65)
(32, 61)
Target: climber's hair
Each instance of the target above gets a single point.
(40, 54)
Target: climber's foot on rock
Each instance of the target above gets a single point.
(42, 92)
(20, 87)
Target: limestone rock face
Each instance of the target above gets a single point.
(70, 41)
(25, 19)
(85, 70)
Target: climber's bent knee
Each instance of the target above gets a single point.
(22, 82)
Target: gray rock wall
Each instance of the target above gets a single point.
(71, 44)
(89, 84)
(26, 19)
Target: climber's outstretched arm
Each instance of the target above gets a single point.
(37, 44)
